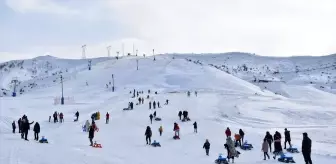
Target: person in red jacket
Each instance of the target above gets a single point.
(228, 132)
(107, 117)
(176, 129)
(61, 117)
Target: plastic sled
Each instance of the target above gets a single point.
(43, 140)
(246, 146)
(157, 119)
(95, 145)
(293, 150)
(156, 144)
(176, 137)
(221, 160)
(286, 158)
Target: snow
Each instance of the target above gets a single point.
(223, 100)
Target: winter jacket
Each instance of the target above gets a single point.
(150, 116)
(19, 122)
(237, 137)
(241, 132)
(195, 125)
(13, 125)
(37, 128)
(91, 132)
(287, 135)
(176, 127)
(148, 132)
(160, 129)
(206, 145)
(77, 114)
(277, 143)
(107, 116)
(26, 125)
(306, 144)
(180, 114)
(228, 132)
(61, 115)
(264, 146)
(231, 146)
(269, 138)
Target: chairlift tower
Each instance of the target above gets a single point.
(62, 98)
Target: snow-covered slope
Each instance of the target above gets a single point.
(223, 101)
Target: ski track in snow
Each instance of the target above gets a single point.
(223, 101)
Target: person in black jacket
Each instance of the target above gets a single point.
(151, 118)
(154, 105)
(287, 138)
(19, 124)
(306, 148)
(36, 131)
(91, 135)
(269, 140)
(154, 114)
(77, 115)
(25, 127)
(195, 127)
(13, 126)
(206, 146)
(180, 114)
(241, 133)
(148, 135)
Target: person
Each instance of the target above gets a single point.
(142, 100)
(232, 149)
(287, 138)
(13, 126)
(36, 131)
(167, 101)
(277, 144)
(150, 105)
(154, 104)
(228, 132)
(154, 114)
(180, 114)
(237, 139)
(306, 148)
(206, 146)
(139, 99)
(158, 103)
(151, 118)
(264, 148)
(91, 135)
(241, 133)
(196, 93)
(77, 115)
(19, 124)
(176, 129)
(269, 140)
(25, 127)
(195, 127)
(148, 134)
(49, 118)
(61, 117)
(107, 117)
(184, 113)
(55, 117)
(160, 130)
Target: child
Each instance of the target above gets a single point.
(265, 149)
(160, 130)
(206, 146)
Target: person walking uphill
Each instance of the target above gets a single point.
(206, 146)
(107, 118)
(228, 132)
(91, 135)
(13, 126)
(287, 138)
(148, 135)
(306, 148)
(36, 131)
(195, 127)
(264, 148)
(151, 118)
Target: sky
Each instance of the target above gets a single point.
(30, 28)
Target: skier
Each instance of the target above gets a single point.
(306, 148)
(195, 127)
(206, 146)
(13, 126)
(167, 101)
(160, 130)
(77, 115)
(241, 133)
(232, 150)
(277, 144)
(228, 132)
(269, 140)
(107, 117)
(265, 149)
(20, 125)
(151, 118)
(148, 135)
(287, 138)
(91, 134)
(36, 131)
(154, 104)
(180, 114)
(150, 105)
(158, 103)
(176, 129)
(154, 114)
(61, 117)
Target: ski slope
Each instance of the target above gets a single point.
(223, 101)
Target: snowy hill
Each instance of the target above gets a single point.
(273, 73)
(223, 100)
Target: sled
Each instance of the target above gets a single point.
(43, 140)
(246, 146)
(286, 158)
(157, 119)
(127, 109)
(221, 160)
(292, 150)
(156, 144)
(185, 119)
(176, 137)
(95, 145)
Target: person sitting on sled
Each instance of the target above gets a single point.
(176, 129)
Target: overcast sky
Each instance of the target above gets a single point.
(30, 28)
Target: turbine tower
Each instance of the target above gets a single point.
(108, 51)
(83, 51)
